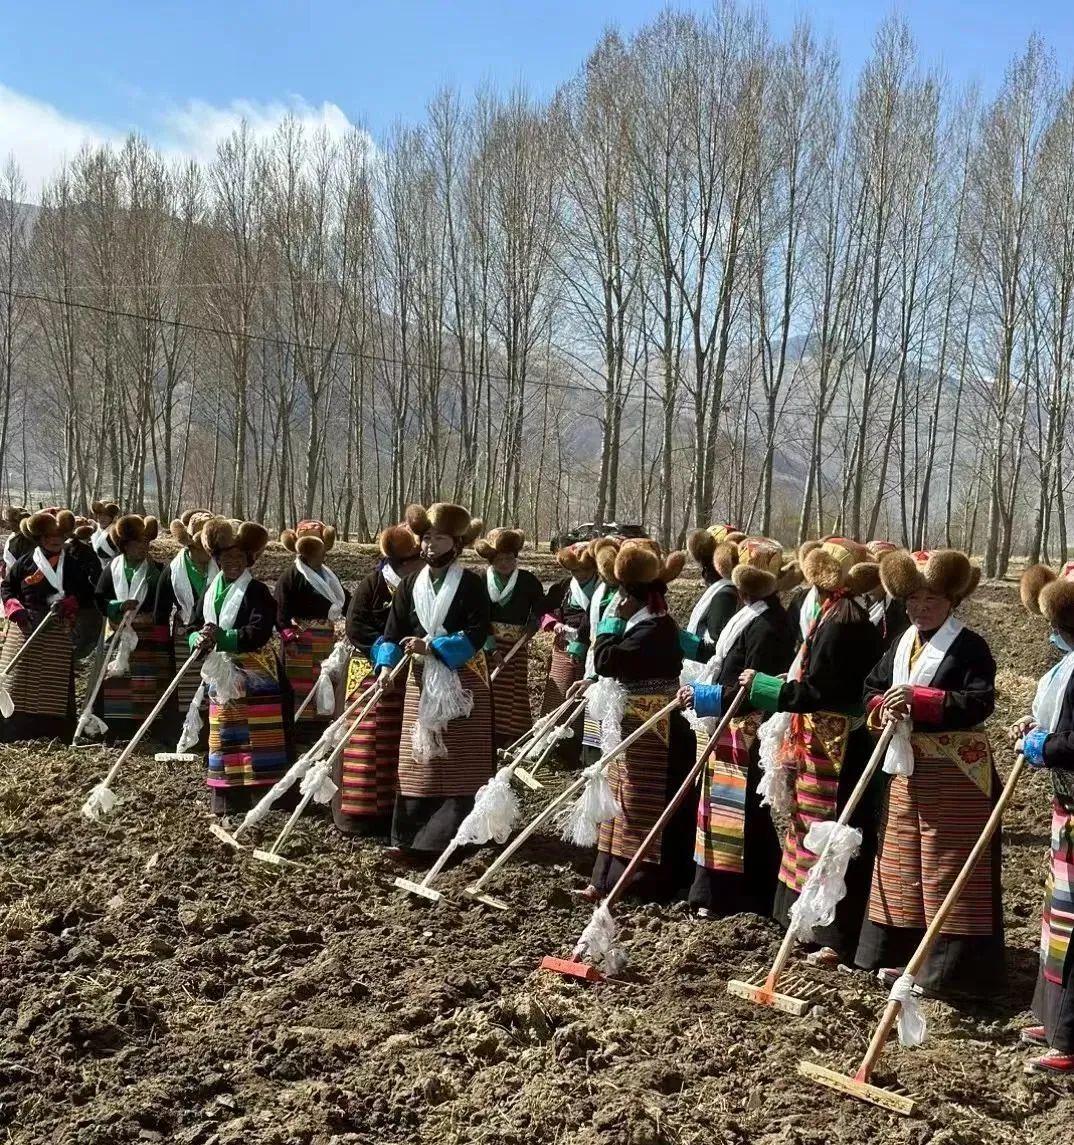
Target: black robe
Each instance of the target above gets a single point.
(893, 623)
(106, 591)
(1053, 1002)
(967, 964)
(525, 604)
(89, 624)
(722, 607)
(558, 603)
(651, 651)
(470, 612)
(297, 599)
(254, 620)
(765, 645)
(367, 613)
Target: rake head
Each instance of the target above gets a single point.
(274, 860)
(414, 888)
(572, 968)
(487, 900)
(798, 997)
(176, 757)
(530, 781)
(224, 836)
(896, 1100)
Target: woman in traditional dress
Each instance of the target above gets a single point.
(937, 683)
(441, 617)
(89, 624)
(366, 772)
(516, 604)
(129, 585)
(310, 601)
(737, 850)
(886, 612)
(638, 647)
(105, 513)
(819, 745)
(249, 733)
(42, 684)
(602, 603)
(1048, 742)
(179, 588)
(715, 550)
(16, 543)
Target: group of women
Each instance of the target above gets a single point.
(811, 660)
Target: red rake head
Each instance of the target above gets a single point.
(572, 968)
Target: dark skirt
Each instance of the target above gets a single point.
(88, 630)
(564, 671)
(511, 715)
(42, 686)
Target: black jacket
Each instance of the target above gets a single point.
(524, 606)
(106, 590)
(297, 600)
(367, 615)
(765, 645)
(255, 620)
(468, 614)
(1059, 752)
(26, 584)
(721, 608)
(649, 651)
(559, 604)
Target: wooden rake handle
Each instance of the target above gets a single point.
(91, 698)
(513, 651)
(45, 621)
(928, 940)
(525, 741)
(567, 793)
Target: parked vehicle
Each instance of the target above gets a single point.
(589, 531)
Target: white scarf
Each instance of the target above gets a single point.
(696, 623)
(578, 594)
(900, 754)
(596, 614)
(732, 630)
(181, 586)
(877, 610)
(496, 594)
(103, 547)
(1048, 702)
(443, 697)
(228, 614)
(327, 586)
(138, 586)
(53, 575)
(806, 611)
(9, 556)
(391, 578)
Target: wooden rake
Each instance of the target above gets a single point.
(98, 682)
(860, 1084)
(272, 856)
(574, 967)
(512, 652)
(799, 996)
(476, 891)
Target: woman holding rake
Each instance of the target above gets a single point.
(43, 580)
(366, 770)
(736, 853)
(814, 751)
(1047, 742)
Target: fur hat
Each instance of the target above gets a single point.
(192, 517)
(187, 529)
(578, 560)
(1050, 595)
(721, 533)
(105, 509)
(310, 540)
(219, 534)
(84, 528)
(838, 564)
(879, 549)
(604, 550)
(760, 569)
(133, 528)
(500, 542)
(640, 563)
(946, 572)
(399, 543)
(43, 524)
(14, 515)
(444, 518)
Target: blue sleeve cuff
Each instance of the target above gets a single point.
(454, 650)
(576, 649)
(385, 654)
(611, 626)
(690, 645)
(708, 700)
(1033, 747)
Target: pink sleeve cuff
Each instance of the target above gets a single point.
(548, 622)
(926, 705)
(12, 606)
(873, 703)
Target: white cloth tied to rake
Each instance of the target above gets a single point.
(913, 1029)
(834, 844)
(318, 782)
(90, 724)
(443, 697)
(597, 943)
(494, 814)
(552, 734)
(332, 667)
(899, 758)
(100, 802)
(597, 804)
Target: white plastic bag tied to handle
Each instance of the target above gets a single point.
(597, 943)
(899, 759)
(193, 722)
(318, 782)
(494, 815)
(7, 704)
(835, 844)
(331, 669)
(776, 785)
(913, 1028)
(100, 802)
(443, 699)
(223, 677)
(607, 700)
(126, 642)
(580, 823)
(90, 724)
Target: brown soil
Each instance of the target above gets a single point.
(156, 987)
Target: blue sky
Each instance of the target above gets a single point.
(182, 73)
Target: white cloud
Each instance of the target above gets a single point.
(42, 138)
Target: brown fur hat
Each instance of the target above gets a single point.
(879, 549)
(309, 540)
(839, 564)
(578, 560)
(187, 529)
(701, 544)
(221, 533)
(638, 563)
(445, 518)
(721, 533)
(761, 570)
(190, 518)
(44, 524)
(398, 543)
(604, 550)
(14, 515)
(500, 542)
(946, 572)
(84, 528)
(133, 528)
(105, 509)
(1050, 595)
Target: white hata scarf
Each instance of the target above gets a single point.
(325, 583)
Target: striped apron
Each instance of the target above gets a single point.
(134, 696)
(302, 663)
(41, 681)
(721, 811)
(247, 746)
(510, 691)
